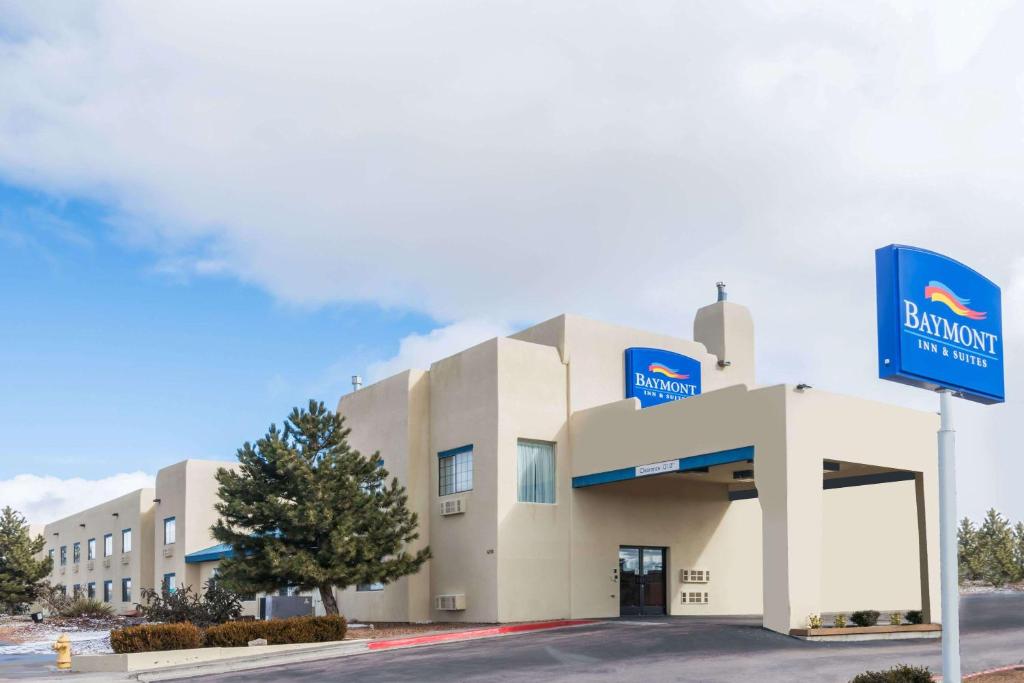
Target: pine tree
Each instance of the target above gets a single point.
(306, 510)
(967, 554)
(995, 553)
(23, 572)
(1018, 548)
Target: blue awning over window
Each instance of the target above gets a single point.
(211, 554)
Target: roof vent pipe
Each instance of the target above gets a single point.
(722, 296)
(357, 382)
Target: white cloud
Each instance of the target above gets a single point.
(511, 161)
(43, 499)
(420, 350)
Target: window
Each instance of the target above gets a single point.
(126, 590)
(126, 540)
(369, 587)
(169, 584)
(76, 590)
(91, 590)
(536, 469)
(455, 471)
(108, 545)
(169, 531)
(90, 551)
(76, 552)
(63, 590)
(50, 555)
(108, 590)
(63, 555)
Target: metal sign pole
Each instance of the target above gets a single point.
(948, 546)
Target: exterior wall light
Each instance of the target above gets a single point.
(801, 387)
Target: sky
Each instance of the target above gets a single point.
(212, 212)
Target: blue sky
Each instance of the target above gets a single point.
(112, 365)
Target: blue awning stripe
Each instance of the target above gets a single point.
(689, 463)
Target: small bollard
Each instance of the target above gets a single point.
(63, 649)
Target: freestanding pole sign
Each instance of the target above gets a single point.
(940, 328)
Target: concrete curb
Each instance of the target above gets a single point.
(347, 650)
(256, 662)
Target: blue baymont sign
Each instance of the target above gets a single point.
(939, 324)
(656, 376)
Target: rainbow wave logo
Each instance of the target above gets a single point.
(936, 291)
(665, 370)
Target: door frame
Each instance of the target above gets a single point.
(643, 609)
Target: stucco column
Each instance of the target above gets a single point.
(788, 482)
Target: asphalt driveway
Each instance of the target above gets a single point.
(669, 649)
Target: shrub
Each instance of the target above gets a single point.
(814, 621)
(86, 607)
(839, 621)
(898, 674)
(278, 631)
(216, 605)
(895, 619)
(914, 616)
(155, 637)
(868, 617)
(55, 599)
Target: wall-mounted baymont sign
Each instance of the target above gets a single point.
(939, 324)
(657, 376)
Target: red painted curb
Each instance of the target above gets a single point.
(474, 634)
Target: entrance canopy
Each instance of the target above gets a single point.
(783, 446)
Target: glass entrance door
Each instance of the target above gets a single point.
(641, 580)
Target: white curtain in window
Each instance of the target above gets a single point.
(536, 472)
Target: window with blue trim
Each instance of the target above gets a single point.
(455, 471)
(126, 590)
(170, 584)
(169, 530)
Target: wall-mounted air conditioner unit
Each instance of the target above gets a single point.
(91, 565)
(75, 568)
(693, 598)
(455, 506)
(106, 561)
(694, 576)
(126, 558)
(168, 551)
(450, 603)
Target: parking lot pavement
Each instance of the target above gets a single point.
(670, 649)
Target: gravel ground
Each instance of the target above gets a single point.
(21, 636)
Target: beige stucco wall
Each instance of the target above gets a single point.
(696, 523)
(133, 511)
(463, 411)
(187, 491)
(534, 574)
(391, 416)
